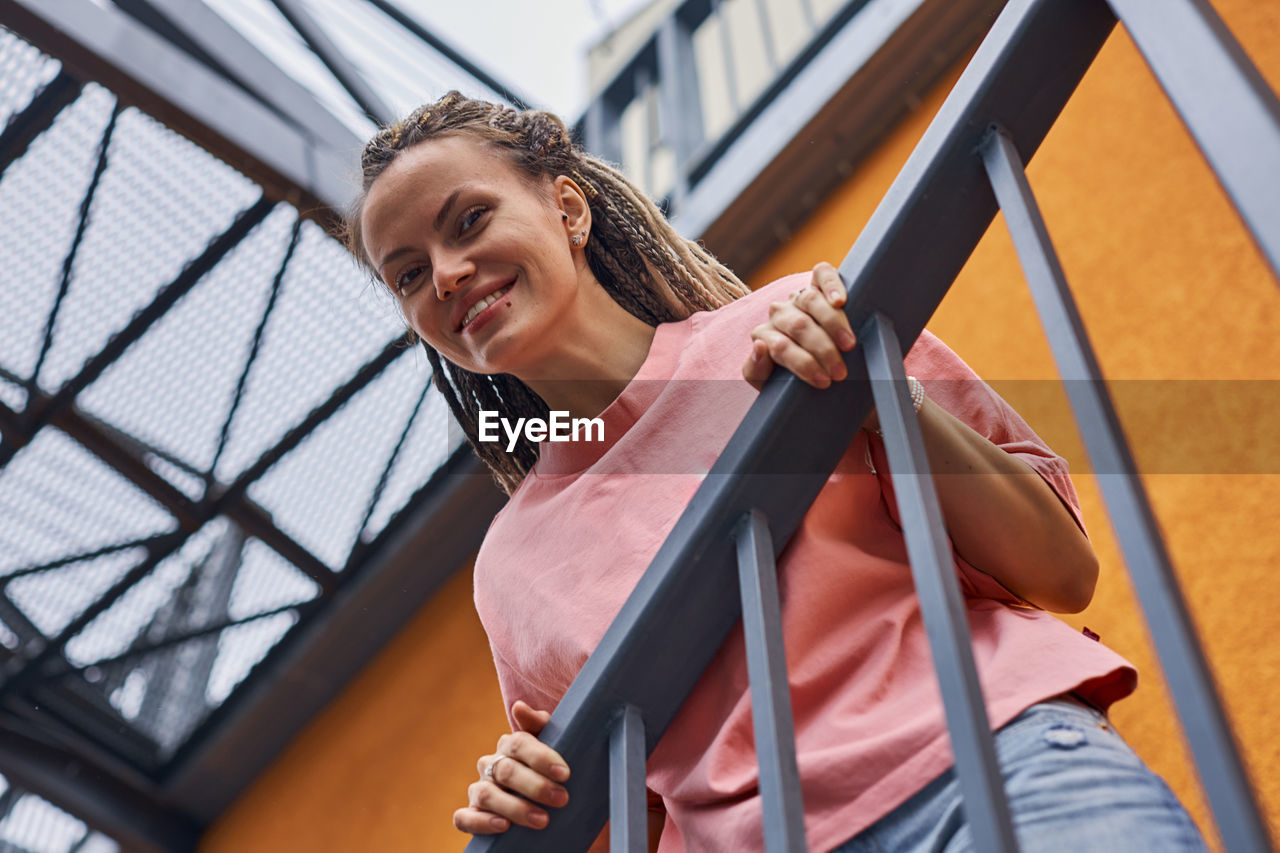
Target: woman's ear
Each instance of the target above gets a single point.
(575, 213)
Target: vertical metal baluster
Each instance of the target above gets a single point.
(644, 169)
(628, 806)
(1224, 101)
(770, 53)
(810, 20)
(1217, 756)
(941, 606)
(770, 692)
(680, 104)
(603, 128)
(726, 45)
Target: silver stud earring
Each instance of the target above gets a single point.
(578, 238)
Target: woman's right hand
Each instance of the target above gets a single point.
(527, 772)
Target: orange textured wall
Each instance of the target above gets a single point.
(1171, 289)
(385, 765)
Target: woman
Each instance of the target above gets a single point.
(549, 284)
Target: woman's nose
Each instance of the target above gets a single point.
(450, 274)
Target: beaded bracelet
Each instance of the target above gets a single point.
(916, 387)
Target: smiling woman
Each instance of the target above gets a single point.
(543, 285)
(477, 213)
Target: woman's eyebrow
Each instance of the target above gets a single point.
(438, 224)
(448, 205)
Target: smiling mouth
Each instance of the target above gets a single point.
(485, 303)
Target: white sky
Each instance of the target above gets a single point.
(537, 46)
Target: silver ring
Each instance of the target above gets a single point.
(488, 771)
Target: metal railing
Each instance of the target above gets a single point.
(968, 163)
(701, 77)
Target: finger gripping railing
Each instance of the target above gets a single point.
(790, 440)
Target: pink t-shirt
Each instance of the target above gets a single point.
(569, 547)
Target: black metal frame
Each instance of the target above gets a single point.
(48, 719)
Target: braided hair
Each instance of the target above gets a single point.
(643, 264)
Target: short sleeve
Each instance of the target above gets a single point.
(954, 386)
(513, 685)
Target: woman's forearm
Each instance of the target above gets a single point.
(1004, 519)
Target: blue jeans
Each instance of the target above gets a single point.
(1073, 785)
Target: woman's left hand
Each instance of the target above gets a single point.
(806, 334)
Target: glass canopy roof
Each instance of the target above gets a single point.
(208, 415)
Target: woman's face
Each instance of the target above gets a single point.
(478, 257)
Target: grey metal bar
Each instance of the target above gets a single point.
(394, 12)
(69, 260)
(357, 550)
(602, 128)
(770, 691)
(811, 20)
(37, 117)
(1222, 772)
(20, 672)
(102, 43)
(770, 51)
(253, 70)
(941, 606)
(681, 116)
(628, 806)
(62, 667)
(1226, 104)
(39, 412)
(254, 347)
(644, 169)
(141, 824)
(726, 46)
(342, 68)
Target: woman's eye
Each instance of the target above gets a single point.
(408, 280)
(469, 219)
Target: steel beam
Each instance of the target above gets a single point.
(1222, 97)
(393, 11)
(48, 408)
(307, 425)
(254, 347)
(254, 71)
(69, 260)
(134, 820)
(104, 44)
(333, 642)
(37, 117)
(343, 69)
(125, 455)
